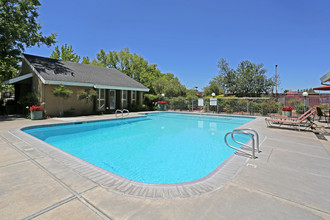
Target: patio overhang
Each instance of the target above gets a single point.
(325, 79)
(17, 79)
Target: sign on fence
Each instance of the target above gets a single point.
(200, 102)
(213, 101)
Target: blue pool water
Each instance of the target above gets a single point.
(160, 148)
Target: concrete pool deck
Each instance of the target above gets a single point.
(290, 179)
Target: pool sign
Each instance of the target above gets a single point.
(213, 101)
(200, 102)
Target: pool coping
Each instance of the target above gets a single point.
(215, 180)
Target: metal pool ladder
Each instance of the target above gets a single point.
(247, 131)
(122, 112)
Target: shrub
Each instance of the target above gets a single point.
(179, 103)
(29, 100)
(149, 100)
(298, 106)
(10, 102)
(69, 114)
(138, 107)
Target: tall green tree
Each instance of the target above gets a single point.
(86, 60)
(133, 65)
(248, 79)
(227, 77)
(169, 85)
(213, 87)
(94, 62)
(65, 53)
(19, 29)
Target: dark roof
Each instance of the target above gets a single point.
(65, 71)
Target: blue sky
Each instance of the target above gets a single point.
(188, 38)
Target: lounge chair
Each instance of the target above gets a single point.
(304, 120)
(290, 117)
(321, 114)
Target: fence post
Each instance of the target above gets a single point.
(247, 106)
(192, 104)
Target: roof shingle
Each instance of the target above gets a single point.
(66, 71)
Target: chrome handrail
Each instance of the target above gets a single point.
(247, 132)
(203, 109)
(122, 112)
(256, 135)
(118, 110)
(125, 110)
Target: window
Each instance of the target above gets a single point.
(101, 100)
(112, 100)
(133, 97)
(124, 98)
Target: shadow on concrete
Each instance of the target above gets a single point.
(11, 117)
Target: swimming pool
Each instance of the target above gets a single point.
(161, 148)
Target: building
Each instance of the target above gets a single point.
(41, 75)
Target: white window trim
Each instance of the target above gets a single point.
(99, 100)
(122, 98)
(133, 100)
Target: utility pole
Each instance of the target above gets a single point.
(276, 80)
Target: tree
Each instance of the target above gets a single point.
(87, 94)
(62, 93)
(96, 63)
(213, 87)
(19, 29)
(86, 60)
(133, 65)
(191, 93)
(251, 80)
(66, 53)
(169, 85)
(248, 79)
(136, 67)
(309, 91)
(226, 78)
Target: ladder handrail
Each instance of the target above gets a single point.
(203, 108)
(246, 132)
(255, 135)
(238, 149)
(122, 112)
(125, 110)
(118, 110)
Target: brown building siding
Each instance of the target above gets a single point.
(72, 104)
